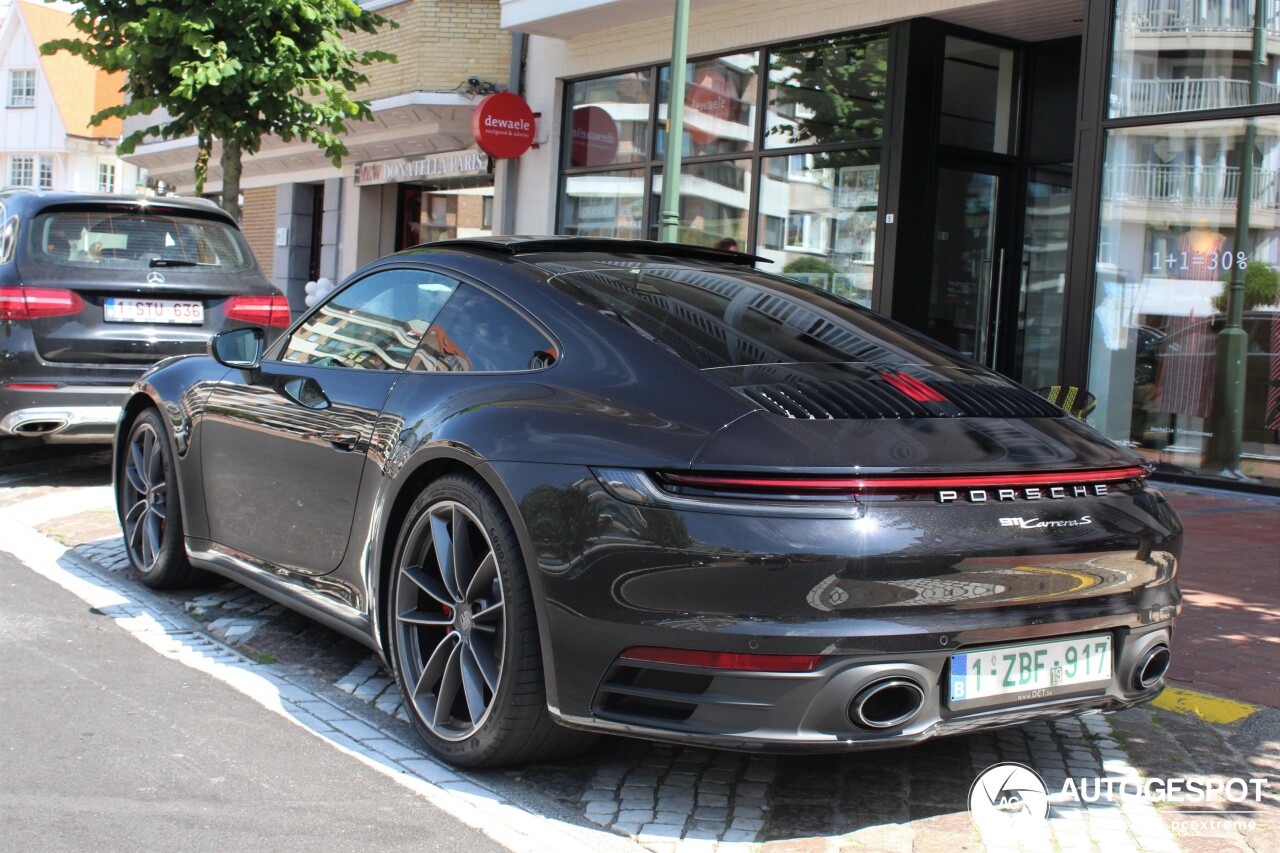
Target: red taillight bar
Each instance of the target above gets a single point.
(724, 660)
(260, 310)
(903, 483)
(29, 303)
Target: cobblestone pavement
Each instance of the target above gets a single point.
(678, 798)
(1228, 639)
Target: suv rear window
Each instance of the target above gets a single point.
(134, 241)
(715, 318)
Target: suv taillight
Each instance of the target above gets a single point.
(259, 310)
(29, 303)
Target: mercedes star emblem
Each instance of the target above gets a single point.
(154, 277)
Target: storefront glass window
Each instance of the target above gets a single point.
(609, 120)
(714, 200)
(603, 204)
(978, 89)
(719, 105)
(1188, 210)
(818, 219)
(1180, 56)
(831, 90)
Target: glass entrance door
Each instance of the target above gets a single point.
(968, 263)
(1043, 275)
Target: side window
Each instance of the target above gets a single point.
(374, 324)
(475, 332)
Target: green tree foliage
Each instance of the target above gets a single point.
(231, 70)
(807, 265)
(834, 91)
(1261, 282)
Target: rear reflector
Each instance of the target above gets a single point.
(30, 303)
(810, 486)
(724, 660)
(30, 386)
(260, 310)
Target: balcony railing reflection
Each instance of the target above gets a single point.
(1191, 16)
(1198, 186)
(1150, 97)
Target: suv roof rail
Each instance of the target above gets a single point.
(527, 245)
(207, 202)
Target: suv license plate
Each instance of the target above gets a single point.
(1029, 672)
(153, 311)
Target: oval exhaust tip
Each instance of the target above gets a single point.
(38, 427)
(1151, 669)
(886, 703)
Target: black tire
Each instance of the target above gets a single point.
(150, 509)
(484, 702)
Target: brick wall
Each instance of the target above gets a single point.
(258, 221)
(439, 44)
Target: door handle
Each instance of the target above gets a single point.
(305, 391)
(342, 439)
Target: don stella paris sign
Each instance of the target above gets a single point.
(454, 164)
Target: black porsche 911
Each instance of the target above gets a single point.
(568, 486)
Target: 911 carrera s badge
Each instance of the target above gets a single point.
(1037, 523)
(1030, 493)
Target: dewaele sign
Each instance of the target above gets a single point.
(503, 125)
(431, 167)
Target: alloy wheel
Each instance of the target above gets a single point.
(449, 620)
(146, 497)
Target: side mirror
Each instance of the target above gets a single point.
(239, 348)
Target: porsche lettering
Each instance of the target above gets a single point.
(1031, 493)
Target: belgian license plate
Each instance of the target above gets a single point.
(1028, 672)
(153, 311)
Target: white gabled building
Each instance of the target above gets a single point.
(46, 140)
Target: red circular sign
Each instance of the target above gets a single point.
(711, 95)
(593, 137)
(503, 125)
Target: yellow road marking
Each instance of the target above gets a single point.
(1210, 708)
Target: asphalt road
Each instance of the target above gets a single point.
(105, 745)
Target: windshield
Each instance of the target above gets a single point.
(715, 318)
(137, 241)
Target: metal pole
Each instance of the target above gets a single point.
(670, 218)
(1226, 417)
(510, 168)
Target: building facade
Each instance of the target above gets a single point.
(46, 141)
(413, 172)
(1081, 194)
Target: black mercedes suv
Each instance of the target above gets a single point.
(94, 289)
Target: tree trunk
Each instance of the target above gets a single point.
(231, 177)
(203, 145)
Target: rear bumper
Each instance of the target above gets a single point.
(813, 711)
(893, 589)
(83, 414)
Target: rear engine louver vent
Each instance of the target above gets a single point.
(874, 398)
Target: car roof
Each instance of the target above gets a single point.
(513, 246)
(32, 201)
